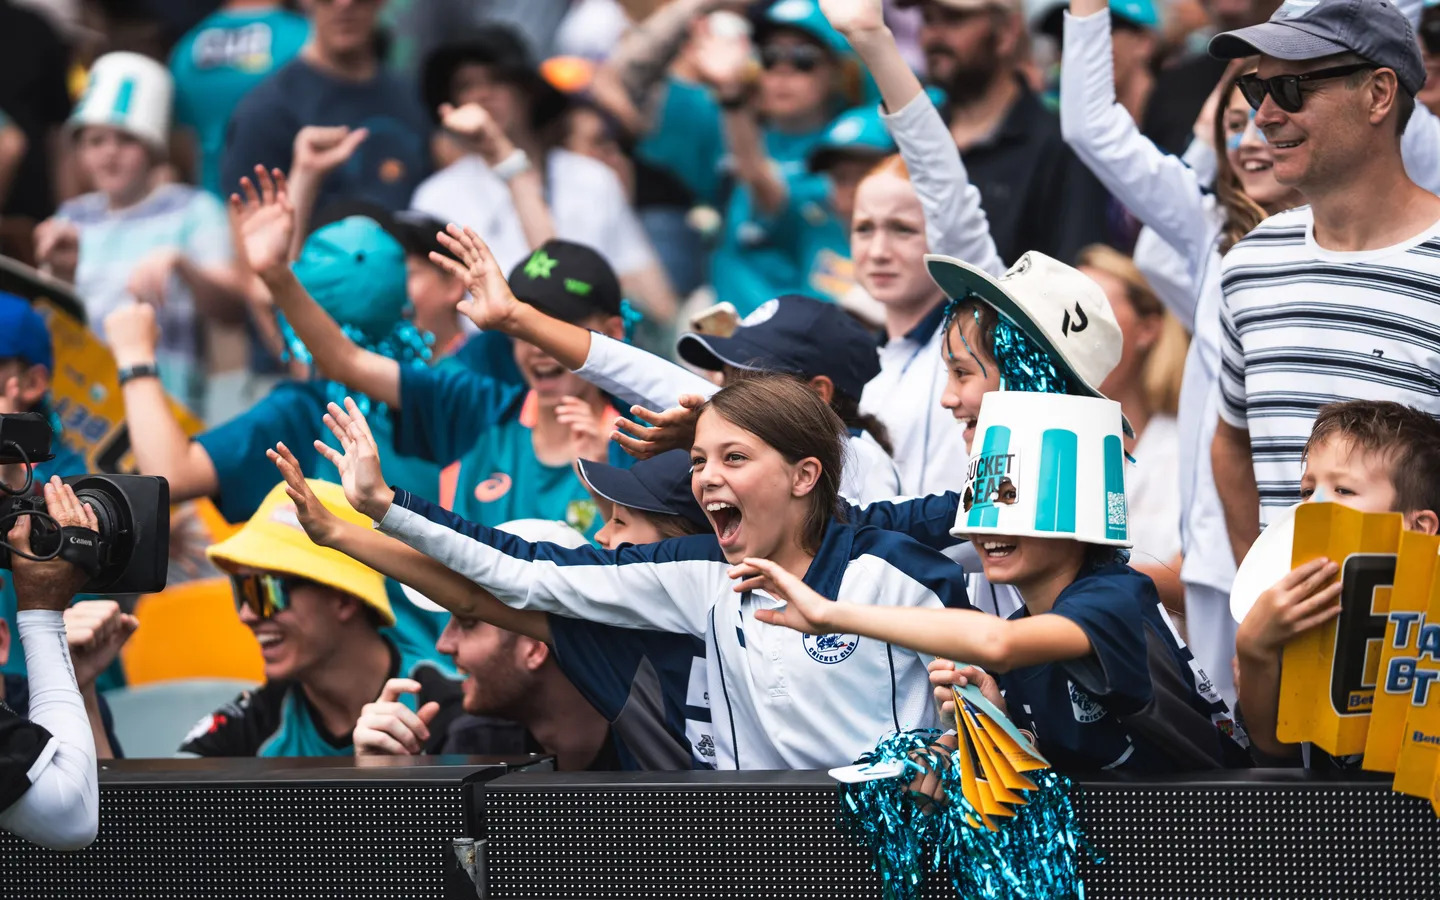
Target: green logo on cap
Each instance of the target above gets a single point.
(540, 265)
(576, 286)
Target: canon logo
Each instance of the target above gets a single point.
(84, 542)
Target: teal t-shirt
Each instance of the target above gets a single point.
(217, 62)
(476, 427)
(66, 463)
(811, 233)
(292, 413)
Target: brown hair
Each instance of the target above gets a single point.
(670, 526)
(1241, 213)
(1407, 438)
(984, 316)
(844, 405)
(791, 418)
(1165, 361)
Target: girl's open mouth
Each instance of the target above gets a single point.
(997, 549)
(726, 519)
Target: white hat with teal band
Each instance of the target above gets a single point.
(1048, 466)
(129, 92)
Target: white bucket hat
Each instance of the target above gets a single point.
(1056, 305)
(536, 531)
(130, 92)
(1049, 466)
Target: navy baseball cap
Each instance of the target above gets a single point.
(660, 484)
(1311, 29)
(23, 333)
(799, 335)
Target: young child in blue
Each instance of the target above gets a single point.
(506, 450)
(650, 685)
(1090, 665)
(26, 361)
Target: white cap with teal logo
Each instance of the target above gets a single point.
(1049, 466)
(130, 92)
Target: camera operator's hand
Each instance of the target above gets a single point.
(95, 631)
(133, 334)
(50, 584)
(319, 523)
(267, 222)
(359, 465)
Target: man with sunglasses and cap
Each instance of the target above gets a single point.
(317, 615)
(1337, 300)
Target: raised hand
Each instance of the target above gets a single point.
(388, 727)
(491, 305)
(320, 149)
(854, 16)
(132, 333)
(359, 464)
(319, 523)
(723, 61)
(804, 609)
(588, 437)
(673, 429)
(478, 130)
(266, 219)
(95, 631)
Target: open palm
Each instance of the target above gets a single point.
(804, 609)
(491, 304)
(266, 220)
(358, 460)
(319, 523)
(851, 16)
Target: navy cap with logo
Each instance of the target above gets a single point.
(1311, 29)
(795, 334)
(660, 484)
(568, 281)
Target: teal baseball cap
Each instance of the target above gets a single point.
(1141, 14)
(855, 132)
(355, 270)
(803, 16)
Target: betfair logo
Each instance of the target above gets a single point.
(540, 265)
(1421, 737)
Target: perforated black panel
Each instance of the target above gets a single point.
(570, 836)
(243, 843)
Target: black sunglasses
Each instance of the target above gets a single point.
(803, 57)
(1286, 88)
(1430, 35)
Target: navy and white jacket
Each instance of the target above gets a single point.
(780, 699)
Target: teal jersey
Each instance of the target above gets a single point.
(276, 719)
(292, 413)
(217, 62)
(66, 463)
(687, 140)
(809, 230)
(478, 428)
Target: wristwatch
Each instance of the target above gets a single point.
(515, 164)
(143, 370)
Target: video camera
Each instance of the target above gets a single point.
(133, 511)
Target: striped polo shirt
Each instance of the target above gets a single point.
(1303, 326)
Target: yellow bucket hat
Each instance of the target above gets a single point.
(274, 541)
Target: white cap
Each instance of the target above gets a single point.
(536, 531)
(130, 92)
(1048, 466)
(1268, 561)
(1056, 305)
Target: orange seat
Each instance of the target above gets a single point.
(191, 631)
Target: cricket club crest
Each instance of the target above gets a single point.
(831, 648)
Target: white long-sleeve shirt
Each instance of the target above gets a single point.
(61, 807)
(640, 377)
(779, 699)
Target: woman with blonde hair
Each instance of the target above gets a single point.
(1146, 383)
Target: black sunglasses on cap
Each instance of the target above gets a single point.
(1286, 88)
(803, 57)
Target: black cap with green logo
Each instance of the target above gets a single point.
(568, 281)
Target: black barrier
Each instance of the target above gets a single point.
(1263, 834)
(266, 828)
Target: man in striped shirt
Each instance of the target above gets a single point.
(1340, 299)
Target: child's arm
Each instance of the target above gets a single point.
(995, 644)
(1298, 602)
(399, 561)
(267, 223)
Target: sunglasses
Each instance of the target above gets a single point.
(1430, 35)
(266, 595)
(1286, 88)
(801, 57)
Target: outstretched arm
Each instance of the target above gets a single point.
(267, 224)
(995, 644)
(399, 561)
